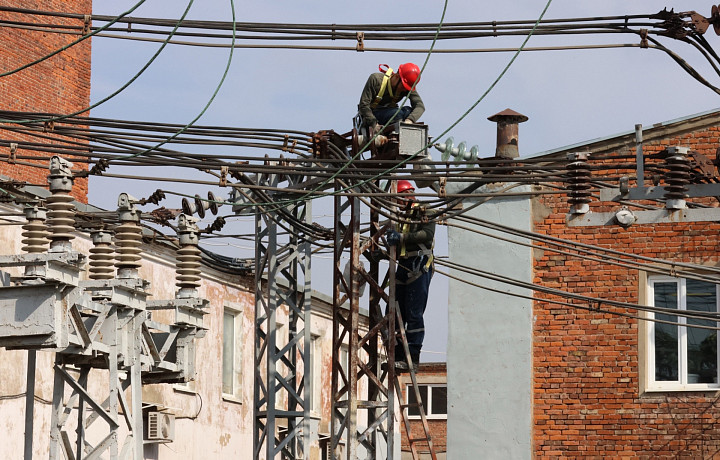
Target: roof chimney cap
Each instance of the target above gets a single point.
(508, 116)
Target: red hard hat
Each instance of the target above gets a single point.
(409, 74)
(404, 185)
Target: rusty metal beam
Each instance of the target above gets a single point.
(363, 368)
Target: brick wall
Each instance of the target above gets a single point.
(428, 373)
(60, 84)
(587, 397)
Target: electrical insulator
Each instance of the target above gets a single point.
(61, 210)
(199, 205)
(577, 177)
(459, 153)
(102, 256)
(188, 257)
(35, 232)
(216, 226)
(677, 177)
(156, 197)
(128, 237)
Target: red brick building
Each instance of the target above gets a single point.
(596, 390)
(432, 384)
(59, 84)
(578, 372)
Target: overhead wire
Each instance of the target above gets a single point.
(520, 48)
(597, 309)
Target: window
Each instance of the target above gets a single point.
(231, 352)
(344, 358)
(316, 376)
(681, 356)
(433, 397)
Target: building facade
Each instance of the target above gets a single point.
(432, 386)
(584, 374)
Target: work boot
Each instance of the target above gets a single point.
(415, 360)
(401, 365)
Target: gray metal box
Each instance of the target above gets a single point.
(413, 138)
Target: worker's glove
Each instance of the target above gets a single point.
(392, 237)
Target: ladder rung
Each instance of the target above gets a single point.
(414, 440)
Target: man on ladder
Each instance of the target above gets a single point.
(414, 271)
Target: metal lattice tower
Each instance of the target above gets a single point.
(282, 397)
(376, 437)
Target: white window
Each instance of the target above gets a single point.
(316, 376)
(433, 397)
(232, 352)
(680, 356)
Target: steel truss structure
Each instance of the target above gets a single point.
(282, 396)
(373, 433)
(106, 344)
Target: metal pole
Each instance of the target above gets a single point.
(30, 403)
(136, 386)
(640, 180)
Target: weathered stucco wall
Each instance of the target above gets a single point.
(490, 339)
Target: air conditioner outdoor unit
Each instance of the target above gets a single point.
(160, 427)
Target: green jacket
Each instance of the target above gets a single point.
(372, 89)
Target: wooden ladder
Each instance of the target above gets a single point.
(418, 401)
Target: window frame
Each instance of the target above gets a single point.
(316, 376)
(237, 380)
(428, 410)
(682, 384)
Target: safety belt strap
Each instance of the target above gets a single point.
(383, 87)
(423, 249)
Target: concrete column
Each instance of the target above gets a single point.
(490, 338)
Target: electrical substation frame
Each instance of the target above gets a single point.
(364, 351)
(282, 375)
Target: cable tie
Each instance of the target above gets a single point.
(13, 150)
(86, 25)
(495, 33)
(360, 36)
(643, 38)
(223, 175)
(332, 36)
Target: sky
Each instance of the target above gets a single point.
(569, 96)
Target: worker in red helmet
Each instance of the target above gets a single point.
(382, 92)
(414, 243)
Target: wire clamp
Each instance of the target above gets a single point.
(360, 36)
(442, 192)
(495, 33)
(644, 38)
(86, 24)
(223, 175)
(13, 151)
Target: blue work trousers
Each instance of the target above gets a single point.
(385, 114)
(412, 300)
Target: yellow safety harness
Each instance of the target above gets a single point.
(384, 86)
(405, 229)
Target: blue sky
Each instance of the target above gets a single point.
(569, 96)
